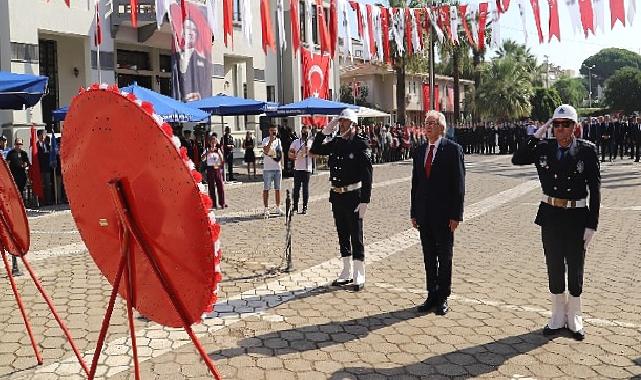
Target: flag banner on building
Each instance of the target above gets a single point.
(315, 80)
(377, 25)
(426, 97)
(191, 58)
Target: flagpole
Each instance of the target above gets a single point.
(98, 62)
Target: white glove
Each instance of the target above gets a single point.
(361, 209)
(330, 127)
(540, 133)
(587, 237)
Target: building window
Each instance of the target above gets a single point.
(164, 85)
(245, 90)
(48, 66)
(314, 24)
(133, 60)
(165, 63)
(271, 93)
(237, 11)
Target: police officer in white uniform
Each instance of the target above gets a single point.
(350, 174)
(568, 214)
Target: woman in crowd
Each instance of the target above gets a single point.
(214, 160)
(250, 157)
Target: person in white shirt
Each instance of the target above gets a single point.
(272, 171)
(299, 151)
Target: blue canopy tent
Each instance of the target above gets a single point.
(171, 110)
(60, 113)
(312, 106)
(19, 91)
(227, 105)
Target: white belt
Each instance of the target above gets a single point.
(350, 187)
(564, 203)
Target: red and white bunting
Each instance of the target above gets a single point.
(333, 27)
(295, 26)
(554, 20)
(587, 16)
(269, 43)
(617, 12)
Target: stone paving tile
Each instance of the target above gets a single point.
(493, 331)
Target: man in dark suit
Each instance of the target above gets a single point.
(635, 131)
(438, 189)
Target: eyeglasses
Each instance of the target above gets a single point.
(431, 122)
(563, 124)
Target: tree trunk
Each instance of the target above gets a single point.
(399, 68)
(455, 75)
(476, 59)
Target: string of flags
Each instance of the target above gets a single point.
(377, 26)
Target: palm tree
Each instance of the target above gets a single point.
(505, 90)
(521, 54)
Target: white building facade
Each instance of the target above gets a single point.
(50, 39)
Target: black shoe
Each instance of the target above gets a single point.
(342, 282)
(16, 272)
(578, 335)
(357, 287)
(547, 331)
(295, 208)
(304, 210)
(442, 308)
(427, 306)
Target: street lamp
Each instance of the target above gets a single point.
(590, 83)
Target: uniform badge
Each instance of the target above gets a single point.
(351, 156)
(580, 166)
(543, 161)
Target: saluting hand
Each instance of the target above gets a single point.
(453, 224)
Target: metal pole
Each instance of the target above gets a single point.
(432, 76)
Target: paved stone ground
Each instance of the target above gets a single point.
(274, 325)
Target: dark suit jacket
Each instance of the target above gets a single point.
(439, 198)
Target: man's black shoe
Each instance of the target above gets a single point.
(442, 308)
(578, 335)
(547, 331)
(427, 306)
(304, 211)
(17, 273)
(295, 208)
(357, 287)
(341, 282)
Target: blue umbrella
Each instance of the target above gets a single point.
(19, 91)
(60, 113)
(171, 110)
(227, 105)
(312, 106)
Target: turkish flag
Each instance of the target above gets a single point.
(426, 96)
(385, 21)
(315, 81)
(315, 74)
(269, 42)
(295, 24)
(228, 21)
(462, 10)
(587, 16)
(418, 15)
(370, 28)
(554, 20)
(97, 37)
(617, 12)
(408, 32)
(482, 25)
(133, 4)
(323, 33)
(537, 18)
(357, 9)
(333, 26)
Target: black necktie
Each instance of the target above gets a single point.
(564, 153)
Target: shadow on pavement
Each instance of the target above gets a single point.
(309, 338)
(461, 364)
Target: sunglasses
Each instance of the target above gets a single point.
(563, 124)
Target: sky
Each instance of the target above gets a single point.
(573, 49)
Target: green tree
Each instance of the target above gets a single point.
(544, 102)
(520, 54)
(505, 91)
(623, 90)
(347, 95)
(607, 61)
(571, 90)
